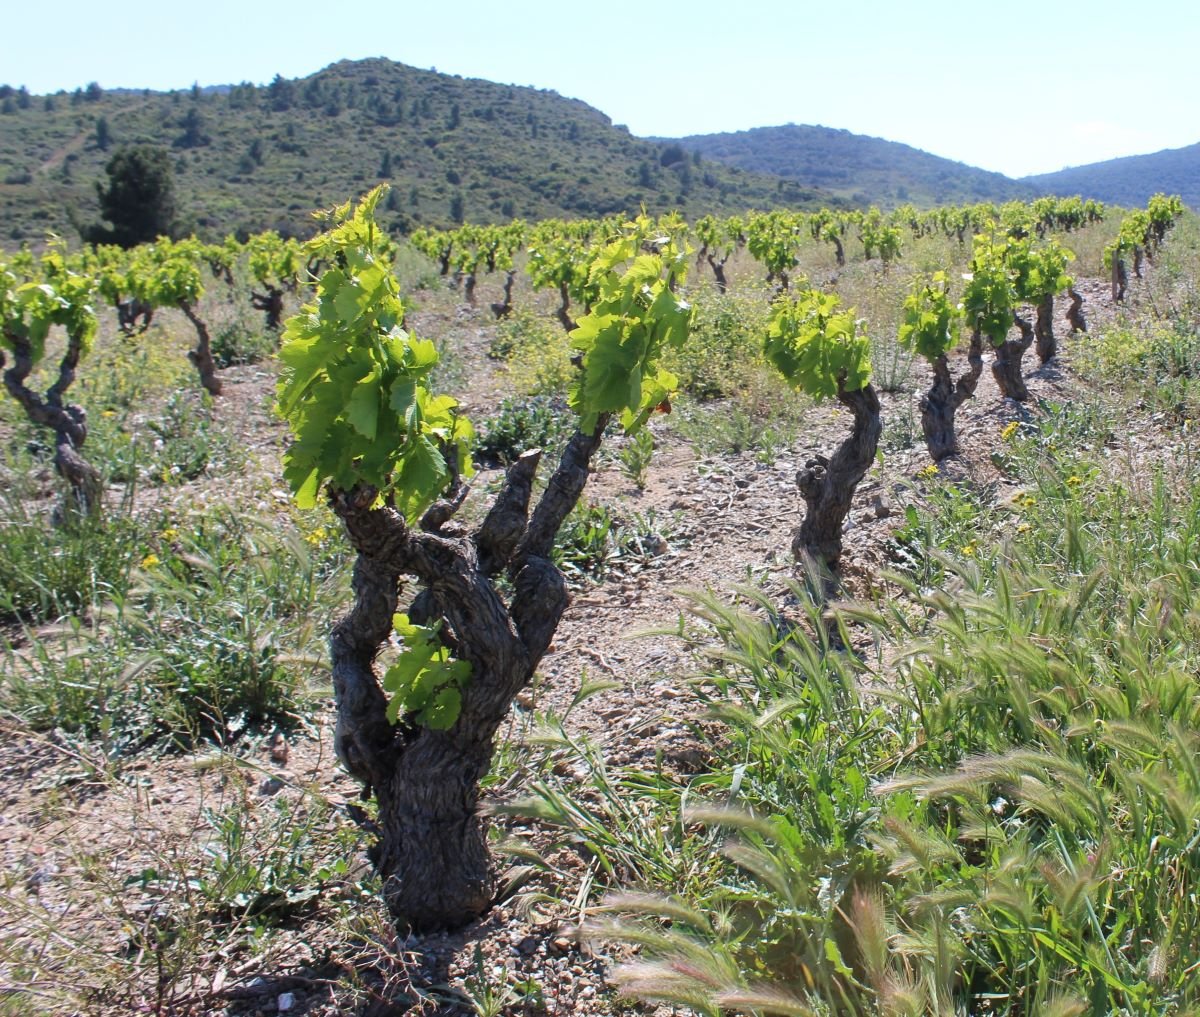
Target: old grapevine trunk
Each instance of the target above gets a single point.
(1043, 329)
(718, 270)
(1075, 311)
(827, 485)
(504, 309)
(271, 303)
(944, 397)
(1006, 368)
(201, 357)
(1120, 278)
(67, 420)
(432, 851)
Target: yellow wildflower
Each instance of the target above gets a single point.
(170, 533)
(969, 549)
(150, 560)
(1074, 481)
(1009, 430)
(928, 471)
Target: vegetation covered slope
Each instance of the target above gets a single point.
(454, 149)
(863, 169)
(1132, 180)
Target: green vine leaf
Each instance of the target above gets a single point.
(354, 388)
(816, 347)
(635, 316)
(425, 682)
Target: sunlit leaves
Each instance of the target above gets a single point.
(930, 323)
(35, 297)
(425, 683)
(635, 316)
(817, 347)
(354, 388)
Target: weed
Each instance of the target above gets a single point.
(49, 571)
(537, 352)
(635, 456)
(724, 346)
(523, 424)
(238, 341)
(188, 440)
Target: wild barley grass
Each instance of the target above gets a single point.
(1001, 812)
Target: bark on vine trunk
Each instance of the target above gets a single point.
(1075, 311)
(271, 304)
(504, 309)
(944, 397)
(1006, 368)
(1043, 329)
(202, 356)
(432, 852)
(1120, 279)
(564, 308)
(128, 313)
(839, 252)
(718, 270)
(67, 421)
(469, 288)
(827, 485)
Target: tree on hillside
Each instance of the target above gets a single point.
(139, 200)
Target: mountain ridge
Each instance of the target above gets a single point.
(859, 167)
(1130, 180)
(250, 157)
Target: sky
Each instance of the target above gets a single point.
(1017, 86)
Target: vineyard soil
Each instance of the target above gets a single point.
(86, 847)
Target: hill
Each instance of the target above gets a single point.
(455, 149)
(1132, 180)
(861, 169)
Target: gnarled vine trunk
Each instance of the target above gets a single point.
(128, 313)
(1120, 279)
(1075, 311)
(1006, 368)
(563, 313)
(432, 850)
(718, 270)
(68, 421)
(202, 356)
(504, 309)
(1043, 329)
(270, 303)
(839, 252)
(827, 485)
(944, 397)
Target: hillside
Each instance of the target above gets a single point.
(1132, 180)
(861, 169)
(455, 149)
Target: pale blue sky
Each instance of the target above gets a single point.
(1018, 86)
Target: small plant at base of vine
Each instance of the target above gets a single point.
(635, 456)
(522, 424)
(236, 342)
